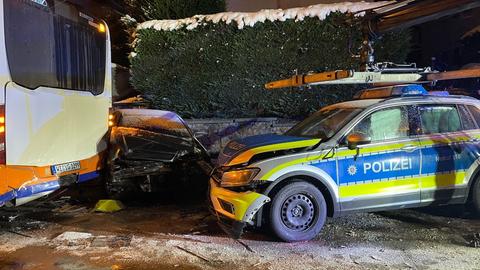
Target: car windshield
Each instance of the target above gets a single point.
(324, 123)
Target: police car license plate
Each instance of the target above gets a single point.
(66, 167)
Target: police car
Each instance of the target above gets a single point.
(391, 148)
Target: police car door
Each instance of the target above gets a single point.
(383, 173)
(449, 151)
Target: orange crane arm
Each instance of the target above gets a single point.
(299, 80)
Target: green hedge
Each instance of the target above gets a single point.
(218, 70)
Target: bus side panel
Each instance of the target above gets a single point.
(49, 126)
(52, 126)
(5, 191)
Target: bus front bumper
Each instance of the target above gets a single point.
(235, 210)
(27, 183)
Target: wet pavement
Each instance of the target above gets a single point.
(162, 233)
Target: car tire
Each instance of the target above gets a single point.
(298, 212)
(476, 197)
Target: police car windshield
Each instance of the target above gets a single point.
(324, 123)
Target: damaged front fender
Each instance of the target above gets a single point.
(239, 206)
(235, 210)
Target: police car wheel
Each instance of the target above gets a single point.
(298, 212)
(476, 197)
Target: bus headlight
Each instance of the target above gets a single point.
(102, 28)
(236, 178)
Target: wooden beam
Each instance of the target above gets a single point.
(454, 75)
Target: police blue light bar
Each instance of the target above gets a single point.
(392, 91)
(409, 90)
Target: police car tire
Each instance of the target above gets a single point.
(476, 197)
(313, 195)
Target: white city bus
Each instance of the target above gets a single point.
(55, 97)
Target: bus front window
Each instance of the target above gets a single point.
(54, 45)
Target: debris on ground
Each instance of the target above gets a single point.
(475, 242)
(69, 208)
(194, 254)
(117, 241)
(73, 236)
(109, 206)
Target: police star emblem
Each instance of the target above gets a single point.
(352, 169)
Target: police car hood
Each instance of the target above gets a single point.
(241, 151)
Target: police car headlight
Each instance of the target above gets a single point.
(236, 178)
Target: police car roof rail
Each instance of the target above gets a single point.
(412, 97)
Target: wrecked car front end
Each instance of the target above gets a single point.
(153, 150)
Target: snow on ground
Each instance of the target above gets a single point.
(168, 236)
(243, 19)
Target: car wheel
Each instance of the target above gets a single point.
(298, 212)
(476, 197)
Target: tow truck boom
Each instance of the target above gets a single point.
(400, 14)
(379, 76)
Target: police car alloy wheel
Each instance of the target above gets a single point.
(298, 212)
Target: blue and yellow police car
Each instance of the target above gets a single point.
(392, 147)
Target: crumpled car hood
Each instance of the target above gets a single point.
(242, 150)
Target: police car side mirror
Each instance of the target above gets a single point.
(356, 139)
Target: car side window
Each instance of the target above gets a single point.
(386, 124)
(475, 113)
(439, 119)
(467, 119)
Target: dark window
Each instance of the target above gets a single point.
(54, 46)
(467, 119)
(439, 119)
(475, 113)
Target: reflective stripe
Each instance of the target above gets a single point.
(247, 155)
(88, 176)
(6, 197)
(393, 187)
(267, 176)
(28, 191)
(398, 186)
(438, 162)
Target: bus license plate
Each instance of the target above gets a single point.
(66, 167)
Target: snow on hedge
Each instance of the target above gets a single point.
(243, 19)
